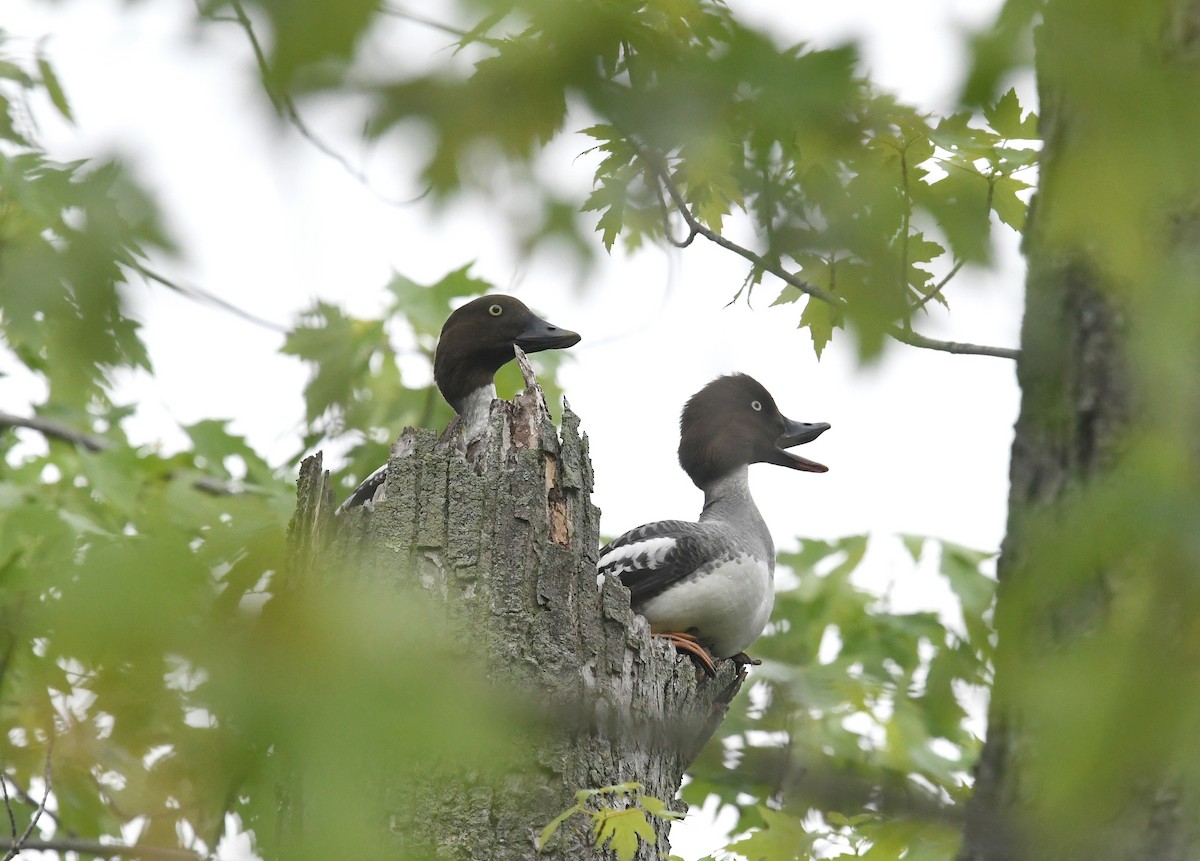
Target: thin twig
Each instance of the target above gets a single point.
(9, 646)
(696, 227)
(278, 97)
(449, 29)
(776, 269)
(397, 12)
(25, 798)
(56, 430)
(15, 846)
(12, 817)
(286, 105)
(666, 219)
(915, 340)
(200, 295)
(939, 286)
(60, 431)
(906, 223)
(105, 850)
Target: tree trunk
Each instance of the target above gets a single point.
(507, 539)
(1091, 750)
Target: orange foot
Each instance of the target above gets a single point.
(687, 643)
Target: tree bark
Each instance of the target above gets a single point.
(1091, 744)
(506, 539)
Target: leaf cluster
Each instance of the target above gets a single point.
(854, 735)
(620, 828)
(150, 628)
(859, 205)
(68, 234)
(158, 659)
(154, 635)
(122, 577)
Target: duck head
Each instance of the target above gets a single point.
(478, 338)
(732, 422)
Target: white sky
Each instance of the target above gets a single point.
(919, 443)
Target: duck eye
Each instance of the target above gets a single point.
(495, 310)
(756, 406)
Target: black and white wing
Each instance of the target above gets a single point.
(651, 558)
(365, 492)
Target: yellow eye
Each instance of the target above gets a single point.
(756, 406)
(495, 310)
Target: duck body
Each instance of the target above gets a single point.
(711, 583)
(475, 342)
(713, 578)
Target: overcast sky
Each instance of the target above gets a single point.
(919, 443)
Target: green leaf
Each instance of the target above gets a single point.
(620, 830)
(955, 133)
(658, 807)
(922, 250)
(939, 702)
(212, 441)
(116, 477)
(782, 839)
(342, 349)
(890, 839)
(1002, 47)
(609, 200)
(552, 827)
(54, 89)
(313, 31)
(1006, 204)
(819, 318)
(81, 524)
(959, 203)
(1005, 117)
(961, 567)
(1009, 159)
(915, 544)
(426, 306)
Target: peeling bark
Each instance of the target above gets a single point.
(507, 538)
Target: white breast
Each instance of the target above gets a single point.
(727, 607)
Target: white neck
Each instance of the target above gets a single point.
(727, 500)
(727, 494)
(476, 410)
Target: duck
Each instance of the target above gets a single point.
(708, 587)
(476, 340)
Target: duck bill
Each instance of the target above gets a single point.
(798, 433)
(540, 335)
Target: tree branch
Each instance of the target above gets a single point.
(102, 850)
(199, 295)
(24, 797)
(776, 269)
(12, 818)
(914, 339)
(698, 229)
(287, 106)
(18, 843)
(937, 288)
(475, 35)
(56, 430)
(666, 220)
